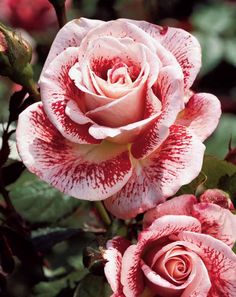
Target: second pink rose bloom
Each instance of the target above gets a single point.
(183, 251)
(118, 121)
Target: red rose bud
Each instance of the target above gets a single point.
(218, 197)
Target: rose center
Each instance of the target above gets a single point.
(174, 265)
(119, 74)
(178, 267)
(116, 71)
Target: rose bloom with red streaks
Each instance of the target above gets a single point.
(31, 15)
(118, 121)
(184, 251)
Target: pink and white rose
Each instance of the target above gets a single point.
(118, 120)
(171, 258)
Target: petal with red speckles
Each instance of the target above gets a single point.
(184, 46)
(180, 205)
(57, 89)
(177, 162)
(91, 172)
(70, 35)
(170, 86)
(216, 221)
(201, 114)
(113, 254)
(219, 260)
(118, 29)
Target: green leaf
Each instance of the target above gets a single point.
(38, 202)
(89, 7)
(213, 169)
(217, 144)
(53, 288)
(228, 184)
(212, 51)
(214, 19)
(230, 51)
(47, 241)
(69, 254)
(93, 286)
(49, 289)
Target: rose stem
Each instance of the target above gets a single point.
(102, 212)
(60, 10)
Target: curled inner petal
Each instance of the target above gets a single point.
(175, 265)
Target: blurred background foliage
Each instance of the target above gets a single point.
(54, 222)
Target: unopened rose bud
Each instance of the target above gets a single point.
(18, 50)
(4, 62)
(15, 57)
(93, 260)
(218, 197)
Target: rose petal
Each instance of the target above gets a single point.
(160, 175)
(124, 134)
(171, 86)
(73, 111)
(181, 205)
(217, 196)
(119, 243)
(118, 29)
(121, 112)
(131, 275)
(70, 35)
(184, 46)
(88, 172)
(219, 260)
(57, 90)
(115, 249)
(81, 81)
(216, 221)
(201, 114)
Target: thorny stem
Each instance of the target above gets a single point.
(61, 16)
(10, 210)
(11, 214)
(103, 213)
(7, 199)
